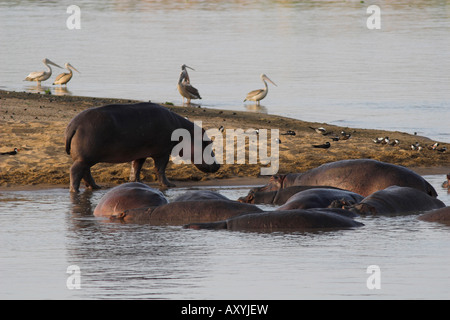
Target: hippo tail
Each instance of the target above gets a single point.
(70, 132)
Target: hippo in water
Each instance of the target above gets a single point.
(362, 176)
(441, 215)
(277, 197)
(288, 220)
(319, 198)
(195, 195)
(128, 196)
(396, 200)
(446, 184)
(128, 133)
(182, 212)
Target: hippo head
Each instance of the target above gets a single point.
(363, 208)
(250, 198)
(342, 204)
(198, 150)
(275, 183)
(446, 184)
(209, 163)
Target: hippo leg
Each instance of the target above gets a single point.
(160, 168)
(136, 166)
(89, 180)
(78, 171)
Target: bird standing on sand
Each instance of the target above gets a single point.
(184, 86)
(39, 76)
(326, 145)
(63, 78)
(289, 133)
(259, 94)
(10, 153)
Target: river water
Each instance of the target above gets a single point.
(327, 64)
(45, 232)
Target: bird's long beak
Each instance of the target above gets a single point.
(52, 63)
(73, 68)
(270, 81)
(189, 67)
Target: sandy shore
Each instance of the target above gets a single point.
(35, 123)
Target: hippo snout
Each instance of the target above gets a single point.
(208, 168)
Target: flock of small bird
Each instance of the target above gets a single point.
(417, 147)
(334, 137)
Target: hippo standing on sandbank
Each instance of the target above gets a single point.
(396, 200)
(362, 176)
(287, 220)
(127, 132)
(319, 198)
(128, 196)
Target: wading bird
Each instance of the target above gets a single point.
(184, 86)
(258, 95)
(63, 78)
(39, 76)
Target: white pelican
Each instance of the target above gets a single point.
(184, 86)
(257, 95)
(39, 76)
(63, 78)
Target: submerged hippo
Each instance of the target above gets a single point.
(288, 220)
(319, 198)
(441, 215)
(362, 176)
(397, 200)
(128, 196)
(128, 132)
(200, 195)
(183, 212)
(278, 196)
(446, 184)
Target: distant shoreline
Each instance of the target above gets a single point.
(35, 124)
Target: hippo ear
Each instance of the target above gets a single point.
(118, 216)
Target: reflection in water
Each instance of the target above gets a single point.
(82, 203)
(256, 108)
(62, 91)
(38, 89)
(59, 91)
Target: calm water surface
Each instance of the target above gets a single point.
(43, 232)
(329, 67)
